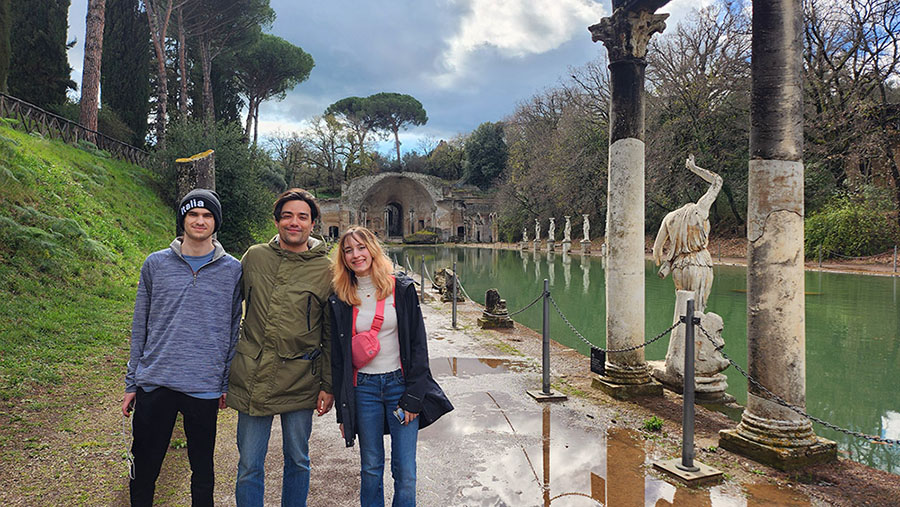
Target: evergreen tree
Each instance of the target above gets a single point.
(39, 70)
(125, 70)
(4, 42)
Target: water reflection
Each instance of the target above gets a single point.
(586, 273)
(526, 453)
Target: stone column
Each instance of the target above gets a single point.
(776, 337)
(626, 34)
(365, 212)
(387, 223)
(412, 223)
(434, 218)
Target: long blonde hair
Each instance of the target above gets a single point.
(344, 278)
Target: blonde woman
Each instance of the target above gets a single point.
(385, 385)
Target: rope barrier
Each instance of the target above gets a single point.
(781, 401)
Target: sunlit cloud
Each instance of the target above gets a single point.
(514, 29)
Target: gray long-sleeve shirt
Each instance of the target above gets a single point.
(186, 323)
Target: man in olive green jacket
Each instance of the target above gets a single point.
(282, 364)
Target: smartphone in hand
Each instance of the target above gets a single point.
(400, 415)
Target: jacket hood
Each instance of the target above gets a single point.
(175, 246)
(316, 248)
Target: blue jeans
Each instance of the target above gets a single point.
(253, 442)
(377, 397)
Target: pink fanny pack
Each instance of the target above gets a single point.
(365, 346)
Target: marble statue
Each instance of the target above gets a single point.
(552, 234)
(681, 243)
(525, 234)
(537, 229)
(567, 232)
(585, 228)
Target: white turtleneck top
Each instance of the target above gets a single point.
(388, 358)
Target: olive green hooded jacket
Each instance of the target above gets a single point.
(284, 351)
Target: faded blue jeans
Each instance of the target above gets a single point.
(253, 442)
(377, 397)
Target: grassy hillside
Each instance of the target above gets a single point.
(74, 230)
(75, 227)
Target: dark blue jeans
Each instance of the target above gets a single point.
(377, 397)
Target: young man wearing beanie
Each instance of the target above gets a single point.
(186, 323)
(283, 364)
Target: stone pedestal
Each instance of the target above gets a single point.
(566, 247)
(709, 383)
(551, 245)
(536, 245)
(585, 247)
(495, 314)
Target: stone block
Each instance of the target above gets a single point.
(782, 458)
(627, 391)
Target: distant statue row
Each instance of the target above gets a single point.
(567, 232)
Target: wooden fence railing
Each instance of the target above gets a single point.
(34, 119)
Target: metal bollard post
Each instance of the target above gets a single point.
(454, 294)
(422, 278)
(545, 331)
(687, 437)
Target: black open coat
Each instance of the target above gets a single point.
(423, 396)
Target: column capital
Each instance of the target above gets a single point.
(626, 34)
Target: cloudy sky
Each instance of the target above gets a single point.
(467, 61)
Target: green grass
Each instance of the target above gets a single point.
(74, 231)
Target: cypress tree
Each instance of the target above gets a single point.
(5, 25)
(39, 70)
(125, 68)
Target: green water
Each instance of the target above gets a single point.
(852, 330)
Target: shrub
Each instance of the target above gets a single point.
(849, 226)
(422, 237)
(108, 122)
(246, 202)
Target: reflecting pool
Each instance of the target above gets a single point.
(852, 329)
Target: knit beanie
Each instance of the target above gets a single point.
(200, 198)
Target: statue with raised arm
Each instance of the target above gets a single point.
(686, 231)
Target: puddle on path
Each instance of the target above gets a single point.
(503, 448)
(468, 366)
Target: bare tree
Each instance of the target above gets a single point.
(851, 71)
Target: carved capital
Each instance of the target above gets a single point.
(626, 34)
